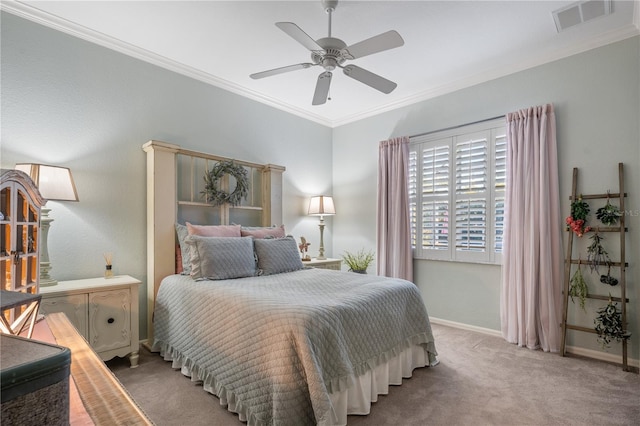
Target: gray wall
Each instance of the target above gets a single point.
(72, 103)
(596, 95)
(69, 102)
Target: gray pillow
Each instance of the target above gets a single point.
(182, 232)
(277, 255)
(221, 258)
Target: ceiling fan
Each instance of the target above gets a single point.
(331, 53)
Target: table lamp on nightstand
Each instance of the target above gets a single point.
(54, 183)
(321, 205)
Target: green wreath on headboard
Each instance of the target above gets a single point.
(214, 195)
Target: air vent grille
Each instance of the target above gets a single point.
(580, 12)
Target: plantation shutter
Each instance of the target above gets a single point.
(471, 192)
(413, 194)
(500, 179)
(435, 197)
(457, 181)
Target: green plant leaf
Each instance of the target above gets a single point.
(358, 261)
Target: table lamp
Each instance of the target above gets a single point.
(321, 205)
(54, 183)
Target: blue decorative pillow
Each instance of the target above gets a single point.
(277, 255)
(221, 258)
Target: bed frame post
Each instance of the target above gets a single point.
(272, 195)
(161, 192)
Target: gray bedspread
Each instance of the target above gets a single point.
(278, 345)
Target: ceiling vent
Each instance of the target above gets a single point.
(580, 12)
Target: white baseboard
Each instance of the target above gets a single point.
(463, 326)
(601, 356)
(145, 343)
(588, 353)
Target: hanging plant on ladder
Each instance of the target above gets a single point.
(596, 254)
(212, 192)
(577, 222)
(608, 324)
(609, 214)
(578, 286)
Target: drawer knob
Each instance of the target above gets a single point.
(111, 320)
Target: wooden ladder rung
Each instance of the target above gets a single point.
(580, 328)
(605, 229)
(597, 196)
(600, 297)
(584, 262)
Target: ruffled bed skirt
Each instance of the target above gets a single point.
(356, 399)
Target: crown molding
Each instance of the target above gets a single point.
(620, 34)
(43, 18)
(35, 15)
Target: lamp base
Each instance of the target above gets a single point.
(45, 265)
(45, 279)
(321, 255)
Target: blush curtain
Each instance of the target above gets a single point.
(395, 258)
(532, 272)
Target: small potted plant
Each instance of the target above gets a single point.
(358, 262)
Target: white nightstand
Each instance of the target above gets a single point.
(334, 264)
(105, 312)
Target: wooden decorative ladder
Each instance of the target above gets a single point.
(621, 264)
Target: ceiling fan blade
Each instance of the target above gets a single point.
(385, 41)
(280, 70)
(322, 88)
(298, 35)
(369, 78)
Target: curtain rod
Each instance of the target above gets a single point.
(455, 127)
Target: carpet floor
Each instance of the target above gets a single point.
(481, 380)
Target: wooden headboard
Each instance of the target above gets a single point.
(174, 182)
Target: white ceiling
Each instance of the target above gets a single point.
(449, 45)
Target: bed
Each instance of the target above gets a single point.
(280, 343)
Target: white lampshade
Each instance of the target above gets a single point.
(54, 183)
(321, 205)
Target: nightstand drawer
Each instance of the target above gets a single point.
(110, 319)
(74, 306)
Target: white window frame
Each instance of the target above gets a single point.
(493, 130)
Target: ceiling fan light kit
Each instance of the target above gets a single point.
(331, 53)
